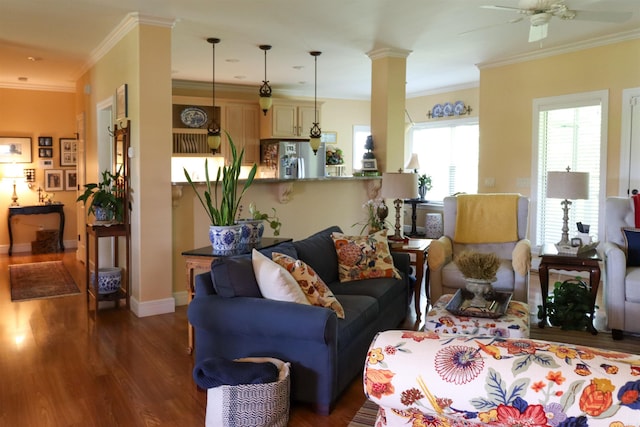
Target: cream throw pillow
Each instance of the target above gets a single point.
(521, 257)
(274, 281)
(314, 288)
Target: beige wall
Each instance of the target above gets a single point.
(30, 113)
(507, 93)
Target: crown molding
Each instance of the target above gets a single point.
(388, 52)
(567, 48)
(445, 89)
(71, 88)
(129, 22)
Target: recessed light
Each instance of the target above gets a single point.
(302, 82)
(240, 77)
(232, 60)
(23, 79)
(34, 58)
(298, 67)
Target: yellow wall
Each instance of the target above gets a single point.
(30, 113)
(507, 93)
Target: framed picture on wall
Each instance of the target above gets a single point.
(68, 151)
(70, 180)
(45, 141)
(15, 150)
(53, 180)
(45, 152)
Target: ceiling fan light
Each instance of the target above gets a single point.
(538, 32)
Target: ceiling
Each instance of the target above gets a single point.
(447, 39)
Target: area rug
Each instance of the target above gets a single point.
(366, 415)
(40, 280)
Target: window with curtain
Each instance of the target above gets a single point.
(448, 152)
(570, 133)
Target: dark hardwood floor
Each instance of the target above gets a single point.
(61, 367)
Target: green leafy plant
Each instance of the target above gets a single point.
(569, 306)
(221, 205)
(424, 181)
(273, 220)
(477, 265)
(106, 195)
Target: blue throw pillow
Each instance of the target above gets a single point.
(233, 277)
(632, 243)
(319, 252)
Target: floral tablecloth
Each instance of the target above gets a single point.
(425, 379)
(514, 323)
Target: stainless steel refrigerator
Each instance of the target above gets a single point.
(291, 159)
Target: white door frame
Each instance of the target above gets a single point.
(630, 102)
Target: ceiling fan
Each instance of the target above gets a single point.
(540, 13)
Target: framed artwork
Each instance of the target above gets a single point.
(15, 149)
(53, 180)
(68, 151)
(329, 137)
(369, 164)
(70, 180)
(45, 152)
(121, 102)
(45, 141)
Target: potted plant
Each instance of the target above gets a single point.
(424, 185)
(221, 200)
(479, 270)
(105, 199)
(569, 306)
(272, 220)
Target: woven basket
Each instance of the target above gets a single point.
(251, 405)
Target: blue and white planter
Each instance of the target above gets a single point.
(225, 239)
(251, 234)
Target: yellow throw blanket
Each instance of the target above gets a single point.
(487, 218)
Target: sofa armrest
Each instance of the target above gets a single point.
(615, 272)
(248, 317)
(402, 261)
(440, 253)
(521, 257)
(203, 284)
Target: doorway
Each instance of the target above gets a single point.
(630, 143)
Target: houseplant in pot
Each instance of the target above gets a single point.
(221, 200)
(105, 199)
(479, 270)
(424, 185)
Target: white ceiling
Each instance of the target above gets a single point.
(65, 37)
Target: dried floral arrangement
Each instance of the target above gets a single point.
(477, 265)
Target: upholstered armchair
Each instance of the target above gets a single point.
(484, 223)
(621, 281)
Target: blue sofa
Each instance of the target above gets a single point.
(232, 320)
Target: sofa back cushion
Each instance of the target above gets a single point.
(233, 276)
(319, 252)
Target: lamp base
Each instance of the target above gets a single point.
(398, 238)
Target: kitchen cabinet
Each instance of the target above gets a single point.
(242, 121)
(292, 119)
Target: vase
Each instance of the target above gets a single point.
(251, 232)
(225, 239)
(102, 214)
(422, 191)
(482, 291)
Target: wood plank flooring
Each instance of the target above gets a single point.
(60, 367)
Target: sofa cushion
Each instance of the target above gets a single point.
(314, 288)
(364, 257)
(233, 277)
(360, 312)
(383, 290)
(274, 281)
(632, 246)
(319, 252)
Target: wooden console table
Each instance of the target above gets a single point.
(414, 203)
(550, 259)
(200, 259)
(37, 210)
(418, 257)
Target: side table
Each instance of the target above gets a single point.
(200, 259)
(37, 210)
(418, 254)
(414, 216)
(550, 259)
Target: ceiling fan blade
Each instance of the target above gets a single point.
(507, 8)
(603, 16)
(538, 32)
(486, 27)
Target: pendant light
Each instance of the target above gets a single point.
(315, 134)
(213, 130)
(265, 89)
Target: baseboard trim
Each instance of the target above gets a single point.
(181, 298)
(26, 247)
(153, 308)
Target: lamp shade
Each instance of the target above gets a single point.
(414, 163)
(13, 171)
(397, 185)
(568, 185)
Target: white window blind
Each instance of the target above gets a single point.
(448, 152)
(568, 136)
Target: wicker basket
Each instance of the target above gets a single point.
(251, 405)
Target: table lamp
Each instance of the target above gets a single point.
(567, 185)
(399, 186)
(414, 163)
(14, 172)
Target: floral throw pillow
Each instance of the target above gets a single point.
(312, 285)
(364, 257)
